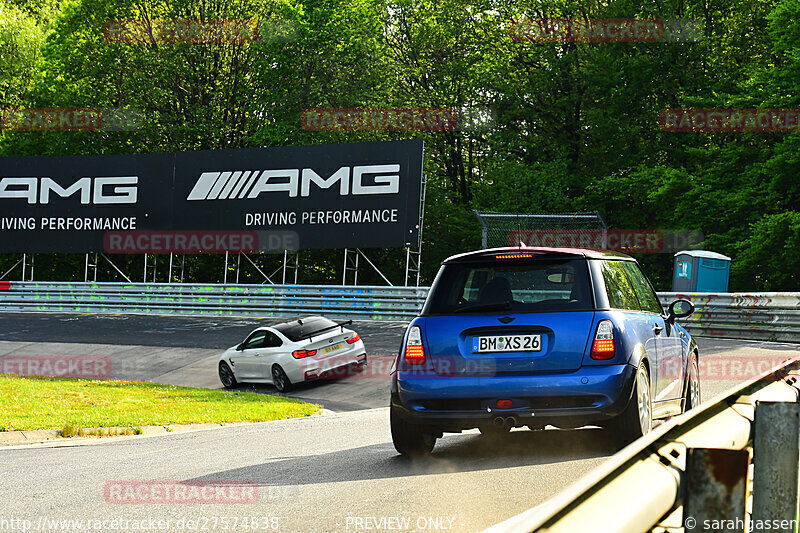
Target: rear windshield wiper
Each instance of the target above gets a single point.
(500, 306)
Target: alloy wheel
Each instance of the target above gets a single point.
(643, 399)
(278, 378)
(694, 385)
(226, 375)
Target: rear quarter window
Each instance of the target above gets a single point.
(644, 291)
(620, 291)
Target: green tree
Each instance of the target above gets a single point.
(21, 38)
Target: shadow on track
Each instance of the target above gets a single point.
(454, 453)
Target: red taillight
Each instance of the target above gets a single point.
(505, 404)
(415, 353)
(603, 345)
(299, 354)
(354, 338)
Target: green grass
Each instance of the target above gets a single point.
(73, 404)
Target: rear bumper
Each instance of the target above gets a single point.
(592, 394)
(331, 367)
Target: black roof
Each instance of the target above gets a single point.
(304, 326)
(541, 252)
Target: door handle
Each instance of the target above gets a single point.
(657, 329)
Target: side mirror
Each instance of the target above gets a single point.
(679, 309)
(240, 347)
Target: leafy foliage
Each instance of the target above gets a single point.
(545, 126)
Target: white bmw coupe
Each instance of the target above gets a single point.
(287, 353)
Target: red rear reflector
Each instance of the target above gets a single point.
(354, 338)
(513, 256)
(299, 354)
(5, 285)
(415, 353)
(505, 404)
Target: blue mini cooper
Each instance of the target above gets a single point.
(514, 337)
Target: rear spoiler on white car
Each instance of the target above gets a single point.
(317, 332)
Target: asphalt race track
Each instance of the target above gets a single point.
(184, 351)
(324, 473)
(166, 331)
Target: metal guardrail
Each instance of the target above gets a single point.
(694, 472)
(760, 316)
(362, 302)
(770, 316)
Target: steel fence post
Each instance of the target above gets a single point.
(776, 464)
(715, 490)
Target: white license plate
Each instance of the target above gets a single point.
(507, 343)
(330, 349)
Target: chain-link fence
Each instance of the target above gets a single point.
(513, 229)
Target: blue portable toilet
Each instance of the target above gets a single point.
(700, 271)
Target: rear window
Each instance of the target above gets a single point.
(299, 329)
(511, 286)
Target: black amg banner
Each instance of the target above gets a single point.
(364, 195)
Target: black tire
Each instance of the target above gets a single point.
(410, 440)
(280, 379)
(226, 376)
(637, 419)
(691, 397)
